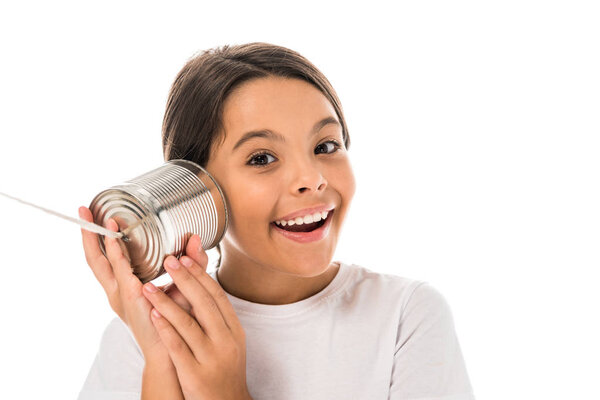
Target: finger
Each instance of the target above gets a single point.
(186, 326)
(173, 292)
(205, 307)
(179, 351)
(120, 263)
(195, 251)
(216, 291)
(98, 263)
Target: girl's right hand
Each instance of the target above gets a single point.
(124, 289)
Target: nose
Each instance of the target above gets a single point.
(308, 177)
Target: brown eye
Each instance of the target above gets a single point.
(259, 159)
(334, 147)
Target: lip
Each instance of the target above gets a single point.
(307, 237)
(305, 211)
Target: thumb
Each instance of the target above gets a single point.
(195, 251)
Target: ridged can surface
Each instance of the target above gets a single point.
(164, 207)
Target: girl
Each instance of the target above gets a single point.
(277, 319)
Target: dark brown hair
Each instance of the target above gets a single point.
(193, 116)
(192, 123)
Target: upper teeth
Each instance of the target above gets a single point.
(307, 219)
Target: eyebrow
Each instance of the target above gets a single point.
(268, 134)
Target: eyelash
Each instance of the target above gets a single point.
(336, 147)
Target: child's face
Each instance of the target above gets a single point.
(299, 173)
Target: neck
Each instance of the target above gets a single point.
(256, 283)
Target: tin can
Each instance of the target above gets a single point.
(159, 211)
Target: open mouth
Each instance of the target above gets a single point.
(305, 227)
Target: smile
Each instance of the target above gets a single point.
(306, 233)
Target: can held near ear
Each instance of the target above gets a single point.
(159, 211)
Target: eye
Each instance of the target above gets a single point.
(260, 158)
(334, 147)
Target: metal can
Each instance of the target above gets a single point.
(159, 211)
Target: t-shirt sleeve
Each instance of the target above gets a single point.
(116, 372)
(428, 362)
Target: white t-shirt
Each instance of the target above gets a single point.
(366, 336)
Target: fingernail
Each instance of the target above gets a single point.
(186, 261)
(150, 288)
(156, 313)
(172, 263)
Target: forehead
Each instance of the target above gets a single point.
(280, 104)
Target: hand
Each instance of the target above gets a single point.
(124, 289)
(208, 347)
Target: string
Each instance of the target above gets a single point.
(88, 226)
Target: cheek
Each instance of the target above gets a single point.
(251, 201)
(342, 179)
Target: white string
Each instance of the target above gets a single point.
(88, 226)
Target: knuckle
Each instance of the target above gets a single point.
(212, 307)
(116, 258)
(221, 295)
(229, 351)
(177, 345)
(130, 296)
(113, 289)
(116, 255)
(187, 279)
(189, 322)
(140, 302)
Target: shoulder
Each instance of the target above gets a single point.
(426, 302)
(392, 288)
(427, 319)
(410, 301)
(428, 360)
(379, 298)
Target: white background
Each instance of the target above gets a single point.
(474, 130)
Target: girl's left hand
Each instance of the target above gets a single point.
(208, 348)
